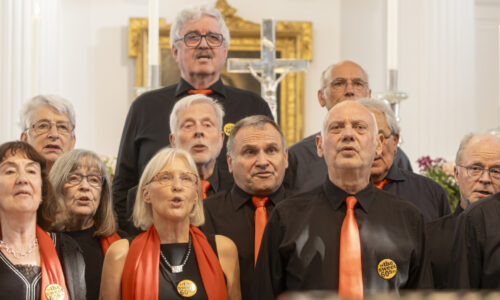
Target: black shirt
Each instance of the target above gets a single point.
(147, 130)
(439, 240)
(476, 255)
(231, 214)
(300, 247)
(306, 170)
(426, 194)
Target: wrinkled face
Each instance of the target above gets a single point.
(482, 152)
(383, 162)
(20, 184)
(83, 199)
(347, 81)
(172, 199)
(349, 142)
(198, 133)
(51, 144)
(259, 161)
(202, 60)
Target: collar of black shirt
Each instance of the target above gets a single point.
(183, 87)
(395, 174)
(214, 179)
(240, 197)
(336, 196)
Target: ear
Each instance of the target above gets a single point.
(145, 195)
(73, 141)
(286, 158)
(369, 93)
(321, 98)
(379, 139)
(455, 173)
(396, 140)
(175, 52)
(24, 137)
(222, 136)
(319, 145)
(171, 138)
(229, 163)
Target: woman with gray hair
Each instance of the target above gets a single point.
(48, 124)
(173, 259)
(82, 187)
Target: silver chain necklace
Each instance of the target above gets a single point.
(18, 254)
(178, 269)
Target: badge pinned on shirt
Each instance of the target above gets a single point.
(387, 268)
(227, 128)
(186, 288)
(54, 292)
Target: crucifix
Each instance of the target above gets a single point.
(265, 69)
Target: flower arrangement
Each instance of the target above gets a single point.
(441, 171)
(110, 163)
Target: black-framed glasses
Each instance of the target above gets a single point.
(477, 171)
(187, 179)
(93, 180)
(340, 84)
(193, 39)
(44, 126)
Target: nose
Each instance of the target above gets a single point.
(84, 184)
(198, 130)
(485, 177)
(347, 133)
(203, 42)
(261, 160)
(53, 131)
(21, 178)
(176, 183)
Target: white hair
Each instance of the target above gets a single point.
(55, 102)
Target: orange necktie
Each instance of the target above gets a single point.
(350, 271)
(380, 184)
(205, 185)
(201, 92)
(260, 221)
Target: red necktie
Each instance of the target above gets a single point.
(205, 185)
(350, 271)
(380, 184)
(201, 92)
(260, 221)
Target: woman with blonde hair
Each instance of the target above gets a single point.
(173, 259)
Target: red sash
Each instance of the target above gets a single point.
(108, 240)
(52, 272)
(141, 268)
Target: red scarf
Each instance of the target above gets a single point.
(141, 269)
(108, 240)
(52, 272)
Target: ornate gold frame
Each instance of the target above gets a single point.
(293, 40)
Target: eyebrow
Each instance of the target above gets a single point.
(10, 163)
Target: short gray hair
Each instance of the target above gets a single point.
(327, 117)
(195, 13)
(253, 121)
(55, 102)
(190, 100)
(142, 214)
(325, 75)
(383, 107)
(69, 162)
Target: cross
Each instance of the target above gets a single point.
(268, 66)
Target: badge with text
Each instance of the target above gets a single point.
(387, 268)
(186, 288)
(227, 128)
(54, 292)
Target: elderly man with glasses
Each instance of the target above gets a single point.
(199, 39)
(48, 123)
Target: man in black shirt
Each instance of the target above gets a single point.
(200, 40)
(257, 158)
(301, 247)
(339, 82)
(426, 194)
(196, 125)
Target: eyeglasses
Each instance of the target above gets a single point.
(386, 136)
(340, 84)
(94, 180)
(193, 39)
(477, 171)
(167, 179)
(44, 126)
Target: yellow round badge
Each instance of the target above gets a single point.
(54, 292)
(186, 288)
(387, 268)
(227, 128)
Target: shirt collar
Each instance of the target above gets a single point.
(394, 174)
(183, 87)
(214, 179)
(336, 196)
(240, 197)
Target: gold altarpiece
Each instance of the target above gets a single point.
(293, 40)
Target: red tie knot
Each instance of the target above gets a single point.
(201, 92)
(351, 202)
(259, 201)
(380, 184)
(205, 185)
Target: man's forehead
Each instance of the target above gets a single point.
(198, 111)
(483, 149)
(257, 134)
(348, 71)
(203, 21)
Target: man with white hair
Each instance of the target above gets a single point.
(312, 241)
(48, 124)
(200, 39)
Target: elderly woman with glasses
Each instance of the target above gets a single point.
(80, 184)
(34, 264)
(48, 123)
(173, 259)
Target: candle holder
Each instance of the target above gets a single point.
(392, 95)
